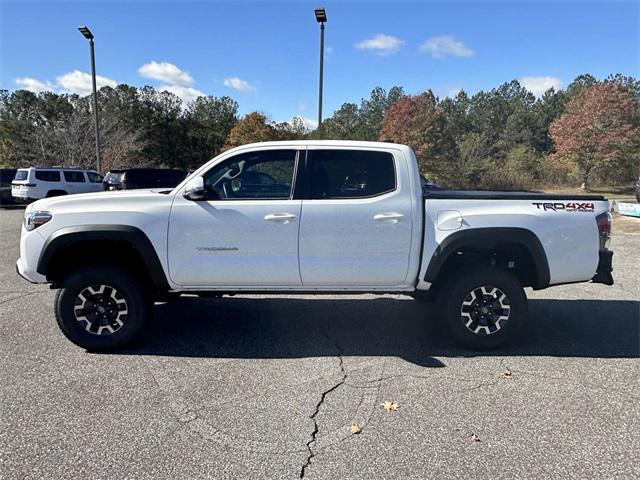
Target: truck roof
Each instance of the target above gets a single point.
(322, 143)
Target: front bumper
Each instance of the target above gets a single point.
(31, 244)
(605, 267)
(19, 271)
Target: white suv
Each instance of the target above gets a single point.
(34, 183)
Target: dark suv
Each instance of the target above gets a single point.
(6, 177)
(133, 178)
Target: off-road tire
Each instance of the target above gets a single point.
(461, 301)
(125, 312)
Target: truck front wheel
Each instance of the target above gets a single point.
(101, 308)
(484, 308)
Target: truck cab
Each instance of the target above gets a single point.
(321, 217)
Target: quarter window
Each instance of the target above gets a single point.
(351, 173)
(75, 177)
(48, 175)
(266, 174)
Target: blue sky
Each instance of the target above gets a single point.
(265, 54)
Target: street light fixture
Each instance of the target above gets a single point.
(321, 18)
(86, 32)
(89, 36)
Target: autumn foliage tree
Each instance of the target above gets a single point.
(420, 122)
(254, 127)
(598, 131)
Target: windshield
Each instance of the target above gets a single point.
(21, 174)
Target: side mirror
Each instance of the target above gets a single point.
(194, 189)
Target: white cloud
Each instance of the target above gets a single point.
(80, 82)
(539, 85)
(240, 85)
(328, 50)
(381, 44)
(33, 85)
(448, 92)
(187, 94)
(165, 72)
(443, 45)
(309, 123)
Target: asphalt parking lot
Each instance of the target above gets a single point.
(269, 387)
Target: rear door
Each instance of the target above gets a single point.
(356, 225)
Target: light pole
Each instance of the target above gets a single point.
(321, 18)
(89, 36)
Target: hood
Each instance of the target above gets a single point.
(88, 200)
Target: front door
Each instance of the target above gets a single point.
(356, 227)
(246, 233)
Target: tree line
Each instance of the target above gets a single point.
(588, 133)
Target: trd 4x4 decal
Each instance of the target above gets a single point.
(567, 207)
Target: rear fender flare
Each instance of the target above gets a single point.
(487, 238)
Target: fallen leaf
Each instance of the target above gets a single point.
(355, 428)
(507, 374)
(474, 437)
(389, 406)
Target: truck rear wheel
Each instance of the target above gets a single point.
(484, 308)
(101, 308)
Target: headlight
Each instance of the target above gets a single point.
(33, 220)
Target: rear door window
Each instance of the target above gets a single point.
(142, 178)
(74, 177)
(48, 175)
(339, 174)
(173, 178)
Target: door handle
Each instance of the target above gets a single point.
(388, 217)
(279, 217)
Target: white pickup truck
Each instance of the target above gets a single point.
(310, 217)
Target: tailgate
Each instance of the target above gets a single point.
(19, 189)
(20, 184)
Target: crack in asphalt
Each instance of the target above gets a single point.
(569, 380)
(18, 297)
(428, 377)
(316, 427)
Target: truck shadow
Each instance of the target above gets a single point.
(276, 327)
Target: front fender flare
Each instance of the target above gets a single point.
(66, 236)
